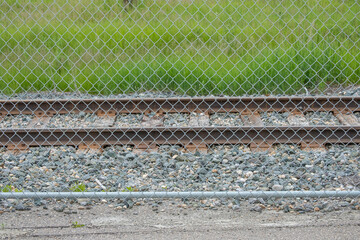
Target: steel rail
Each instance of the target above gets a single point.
(182, 104)
(180, 135)
(188, 195)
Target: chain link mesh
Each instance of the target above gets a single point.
(139, 128)
(191, 47)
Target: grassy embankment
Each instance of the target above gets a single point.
(193, 47)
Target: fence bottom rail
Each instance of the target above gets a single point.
(193, 195)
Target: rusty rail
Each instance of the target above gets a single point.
(252, 133)
(213, 104)
(320, 135)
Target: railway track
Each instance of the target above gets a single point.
(197, 135)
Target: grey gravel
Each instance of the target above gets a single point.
(277, 187)
(257, 208)
(351, 90)
(22, 207)
(227, 168)
(59, 208)
(357, 114)
(322, 118)
(82, 120)
(129, 120)
(176, 119)
(16, 121)
(72, 120)
(78, 95)
(232, 168)
(314, 118)
(226, 119)
(275, 118)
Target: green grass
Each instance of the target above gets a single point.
(192, 47)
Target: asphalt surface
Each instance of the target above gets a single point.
(174, 222)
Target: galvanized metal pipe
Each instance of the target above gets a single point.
(245, 194)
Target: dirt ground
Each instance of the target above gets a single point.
(141, 222)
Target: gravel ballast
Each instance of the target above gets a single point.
(357, 114)
(72, 120)
(340, 91)
(16, 121)
(310, 118)
(226, 119)
(78, 95)
(83, 120)
(127, 120)
(223, 168)
(176, 119)
(275, 118)
(322, 118)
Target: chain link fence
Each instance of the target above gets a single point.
(138, 127)
(189, 47)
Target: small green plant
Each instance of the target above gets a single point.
(130, 189)
(77, 225)
(2, 226)
(78, 187)
(10, 188)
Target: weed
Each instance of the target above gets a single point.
(78, 187)
(9, 188)
(130, 189)
(76, 225)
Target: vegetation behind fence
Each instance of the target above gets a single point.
(193, 47)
